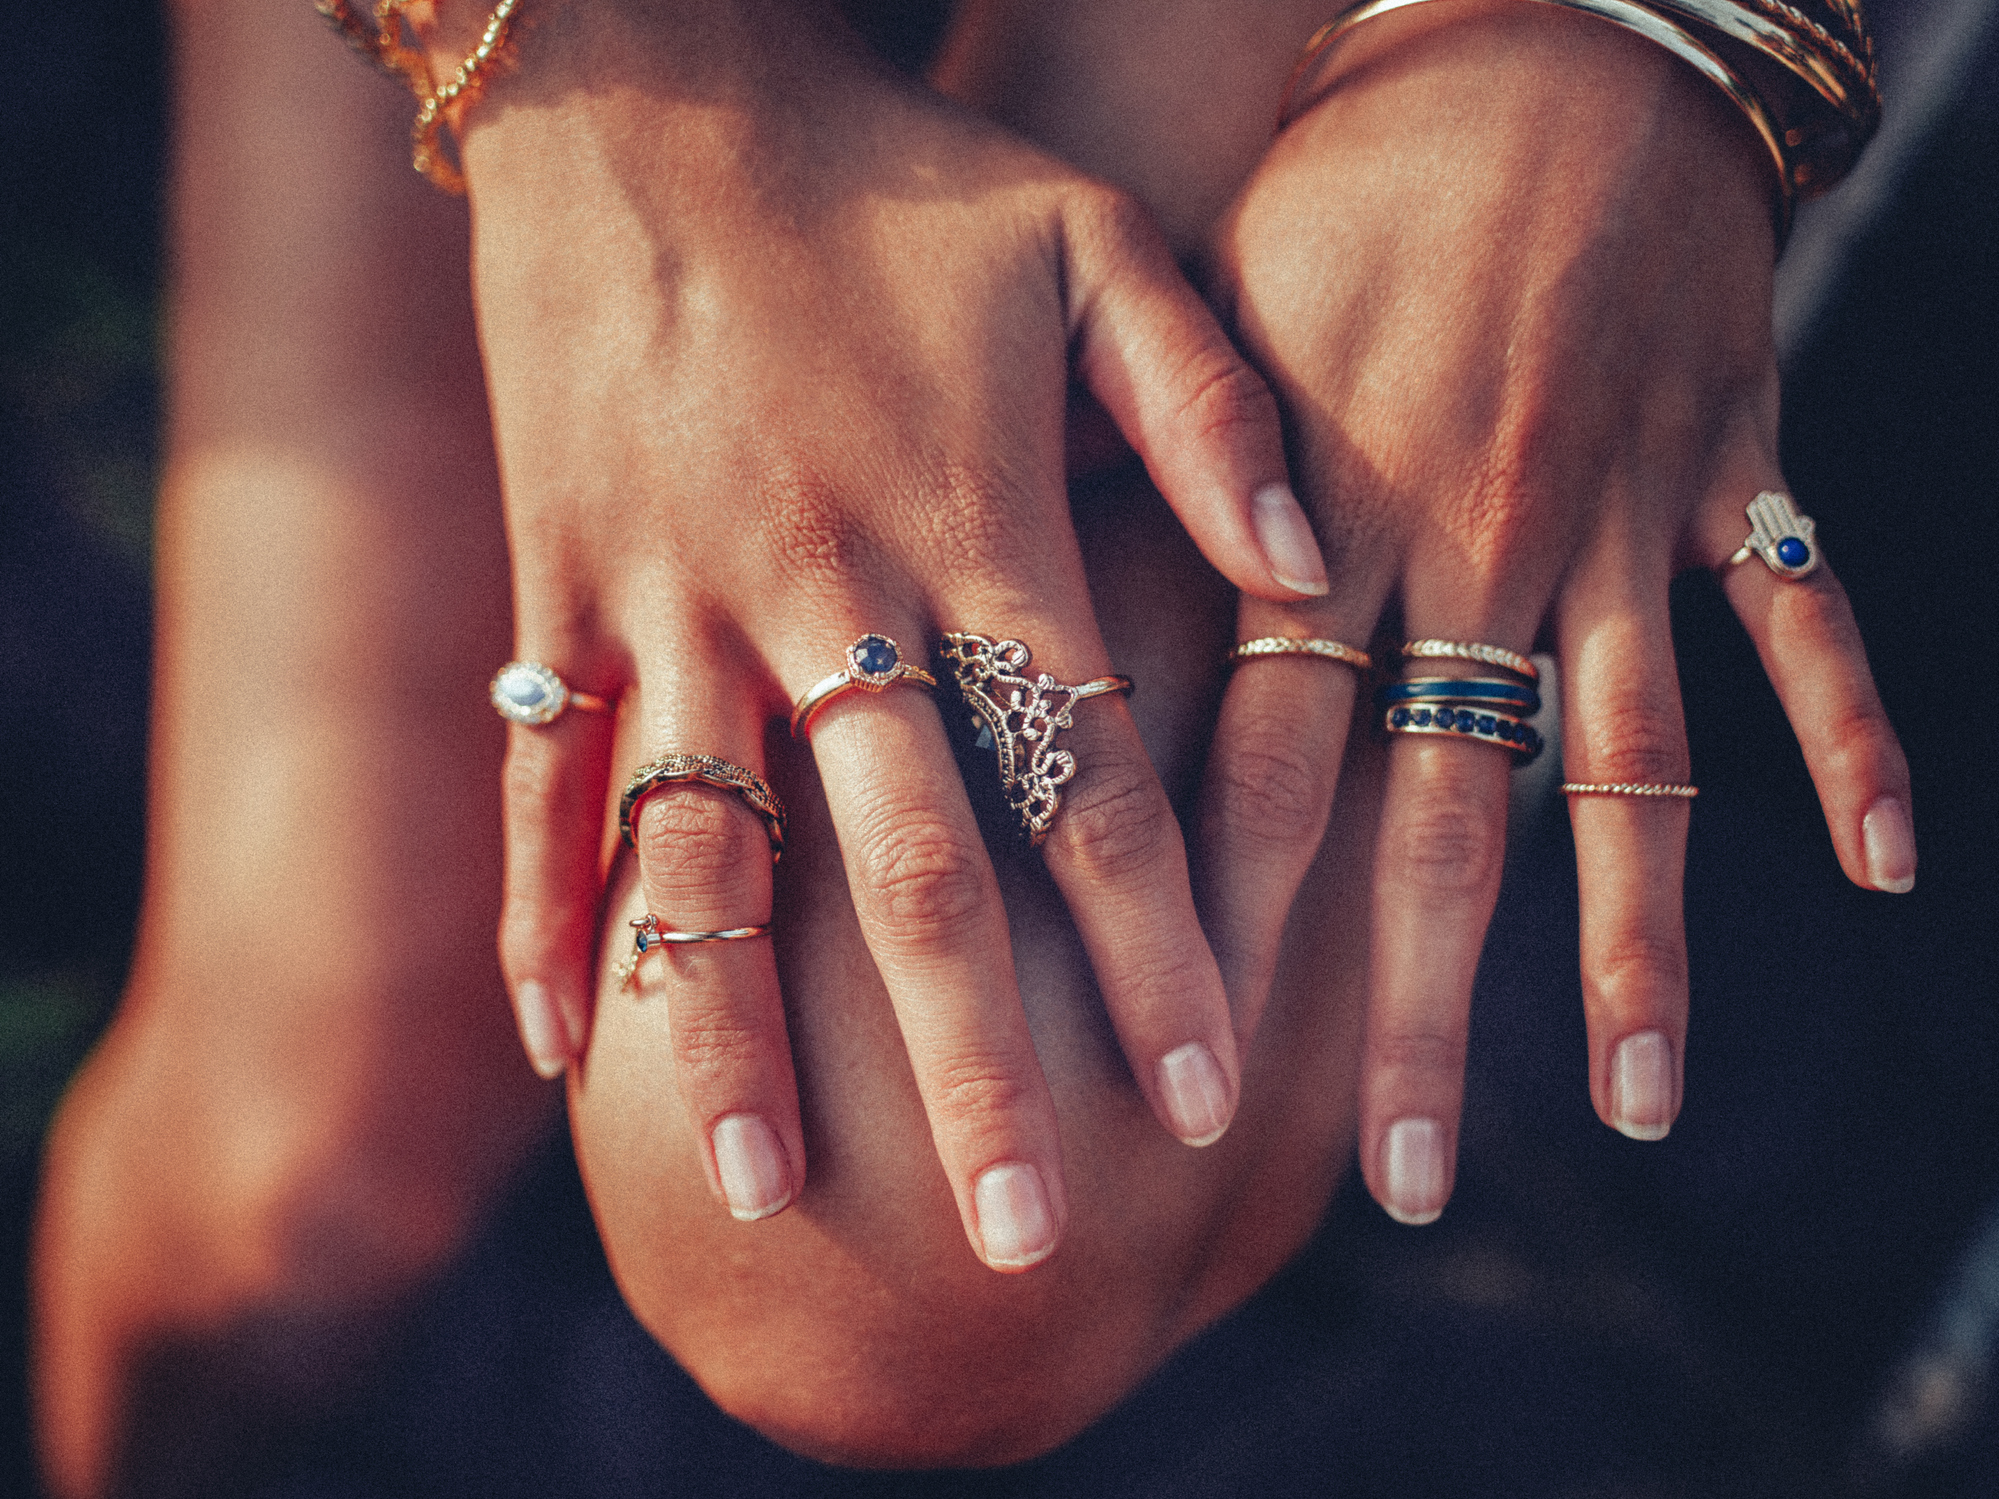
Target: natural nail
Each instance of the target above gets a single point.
(1413, 1167)
(1195, 1092)
(751, 1164)
(541, 1030)
(1891, 846)
(1016, 1225)
(1287, 541)
(1641, 1086)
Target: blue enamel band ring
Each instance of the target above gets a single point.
(1509, 697)
(707, 770)
(1484, 727)
(1779, 535)
(647, 934)
(528, 693)
(874, 663)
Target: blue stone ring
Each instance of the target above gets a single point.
(874, 663)
(526, 692)
(1779, 535)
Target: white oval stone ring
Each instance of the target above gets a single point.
(526, 692)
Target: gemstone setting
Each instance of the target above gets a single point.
(526, 692)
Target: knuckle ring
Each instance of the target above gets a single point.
(1472, 650)
(1018, 718)
(1285, 645)
(708, 770)
(1630, 788)
(647, 934)
(1483, 709)
(526, 692)
(874, 663)
(1779, 535)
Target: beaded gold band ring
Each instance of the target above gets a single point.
(706, 770)
(1472, 650)
(647, 934)
(1018, 718)
(526, 692)
(874, 664)
(1779, 535)
(1630, 788)
(1286, 645)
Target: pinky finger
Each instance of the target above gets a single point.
(1810, 645)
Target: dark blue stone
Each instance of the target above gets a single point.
(1792, 552)
(1400, 718)
(875, 656)
(1421, 717)
(985, 741)
(643, 940)
(1487, 723)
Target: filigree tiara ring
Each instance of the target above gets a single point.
(528, 693)
(874, 663)
(1779, 535)
(707, 770)
(1019, 718)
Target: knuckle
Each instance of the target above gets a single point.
(1637, 962)
(697, 843)
(925, 884)
(1426, 1053)
(972, 1091)
(1269, 790)
(1636, 740)
(531, 783)
(1446, 843)
(1115, 823)
(716, 1047)
(808, 526)
(1224, 398)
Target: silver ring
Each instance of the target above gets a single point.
(647, 934)
(526, 692)
(1779, 535)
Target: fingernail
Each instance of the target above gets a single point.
(1891, 846)
(751, 1164)
(1413, 1166)
(1195, 1092)
(1016, 1226)
(1287, 541)
(1641, 1086)
(541, 1030)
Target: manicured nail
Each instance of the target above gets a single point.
(1016, 1226)
(1287, 541)
(1641, 1086)
(1891, 846)
(1195, 1092)
(1413, 1168)
(541, 1030)
(751, 1164)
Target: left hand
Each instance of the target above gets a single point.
(1511, 279)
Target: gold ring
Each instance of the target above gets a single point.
(708, 770)
(1472, 650)
(1629, 788)
(1285, 645)
(1019, 718)
(874, 663)
(528, 693)
(647, 933)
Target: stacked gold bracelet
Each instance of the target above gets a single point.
(383, 44)
(1812, 139)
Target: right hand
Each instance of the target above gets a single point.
(778, 348)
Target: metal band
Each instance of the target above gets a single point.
(1103, 687)
(1516, 697)
(1629, 788)
(707, 770)
(528, 693)
(874, 663)
(1285, 645)
(648, 933)
(1472, 650)
(1502, 729)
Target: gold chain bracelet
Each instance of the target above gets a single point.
(383, 44)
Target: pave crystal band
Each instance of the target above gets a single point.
(528, 693)
(707, 770)
(1472, 650)
(1502, 729)
(874, 663)
(1286, 645)
(1629, 788)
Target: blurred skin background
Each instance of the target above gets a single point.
(1784, 1297)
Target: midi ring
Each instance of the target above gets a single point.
(708, 770)
(874, 663)
(1779, 535)
(1019, 718)
(526, 692)
(1630, 788)
(647, 933)
(1487, 727)
(1472, 650)
(1285, 645)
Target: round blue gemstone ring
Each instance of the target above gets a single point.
(874, 664)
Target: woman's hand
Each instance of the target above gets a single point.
(1510, 278)
(778, 349)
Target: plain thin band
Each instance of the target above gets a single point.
(1629, 788)
(728, 934)
(1099, 686)
(1287, 645)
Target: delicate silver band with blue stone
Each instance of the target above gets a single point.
(874, 663)
(1779, 535)
(526, 692)
(647, 934)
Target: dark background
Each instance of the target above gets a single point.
(1789, 1296)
